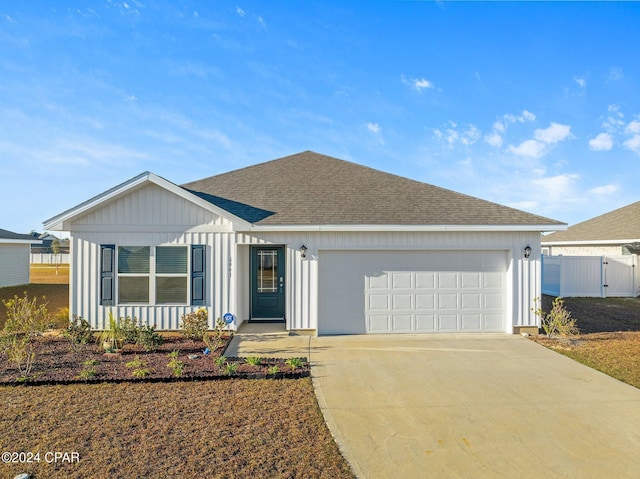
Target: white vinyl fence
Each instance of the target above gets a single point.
(49, 258)
(590, 276)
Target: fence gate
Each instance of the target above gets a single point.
(618, 276)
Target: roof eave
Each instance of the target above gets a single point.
(426, 228)
(589, 242)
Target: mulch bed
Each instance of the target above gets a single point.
(58, 363)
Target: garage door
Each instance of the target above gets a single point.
(411, 291)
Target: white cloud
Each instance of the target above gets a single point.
(467, 136)
(526, 116)
(240, 11)
(8, 18)
(615, 73)
(216, 136)
(604, 190)
(633, 127)
(418, 84)
(530, 148)
(581, 81)
(373, 127)
(602, 142)
(499, 126)
(553, 134)
(633, 143)
(554, 188)
(262, 22)
(494, 140)
(130, 98)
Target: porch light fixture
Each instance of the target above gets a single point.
(527, 251)
(303, 250)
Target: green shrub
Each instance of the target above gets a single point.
(220, 360)
(195, 325)
(143, 335)
(79, 332)
(273, 369)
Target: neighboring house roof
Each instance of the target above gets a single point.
(621, 225)
(11, 237)
(313, 189)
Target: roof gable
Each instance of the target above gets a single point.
(622, 224)
(64, 221)
(313, 189)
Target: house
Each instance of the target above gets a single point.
(14, 258)
(45, 242)
(324, 245)
(613, 233)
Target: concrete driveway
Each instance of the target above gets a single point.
(472, 406)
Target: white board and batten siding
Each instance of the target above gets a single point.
(14, 264)
(506, 297)
(149, 216)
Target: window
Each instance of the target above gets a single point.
(153, 275)
(171, 274)
(133, 274)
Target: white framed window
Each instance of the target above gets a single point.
(133, 274)
(153, 275)
(172, 279)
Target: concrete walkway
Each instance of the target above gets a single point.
(467, 406)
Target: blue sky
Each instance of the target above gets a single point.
(534, 105)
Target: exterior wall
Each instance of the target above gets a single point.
(149, 216)
(153, 216)
(14, 264)
(523, 283)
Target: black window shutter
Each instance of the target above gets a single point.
(107, 274)
(198, 275)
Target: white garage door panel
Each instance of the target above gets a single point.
(411, 291)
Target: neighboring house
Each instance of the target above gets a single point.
(613, 233)
(45, 241)
(14, 258)
(324, 245)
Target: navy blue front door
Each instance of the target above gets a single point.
(267, 282)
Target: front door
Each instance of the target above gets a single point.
(267, 282)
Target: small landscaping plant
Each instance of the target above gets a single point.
(294, 363)
(558, 321)
(139, 367)
(273, 369)
(195, 325)
(114, 336)
(140, 334)
(79, 332)
(175, 365)
(220, 360)
(230, 368)
(25, 321)
(252, 360)
(88, 370)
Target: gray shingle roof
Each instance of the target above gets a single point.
(10, 235)
(620, 224)
(313, 189)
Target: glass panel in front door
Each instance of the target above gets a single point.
(267, 271)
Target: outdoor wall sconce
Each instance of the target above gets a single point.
(303, 250)
(527, 251)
